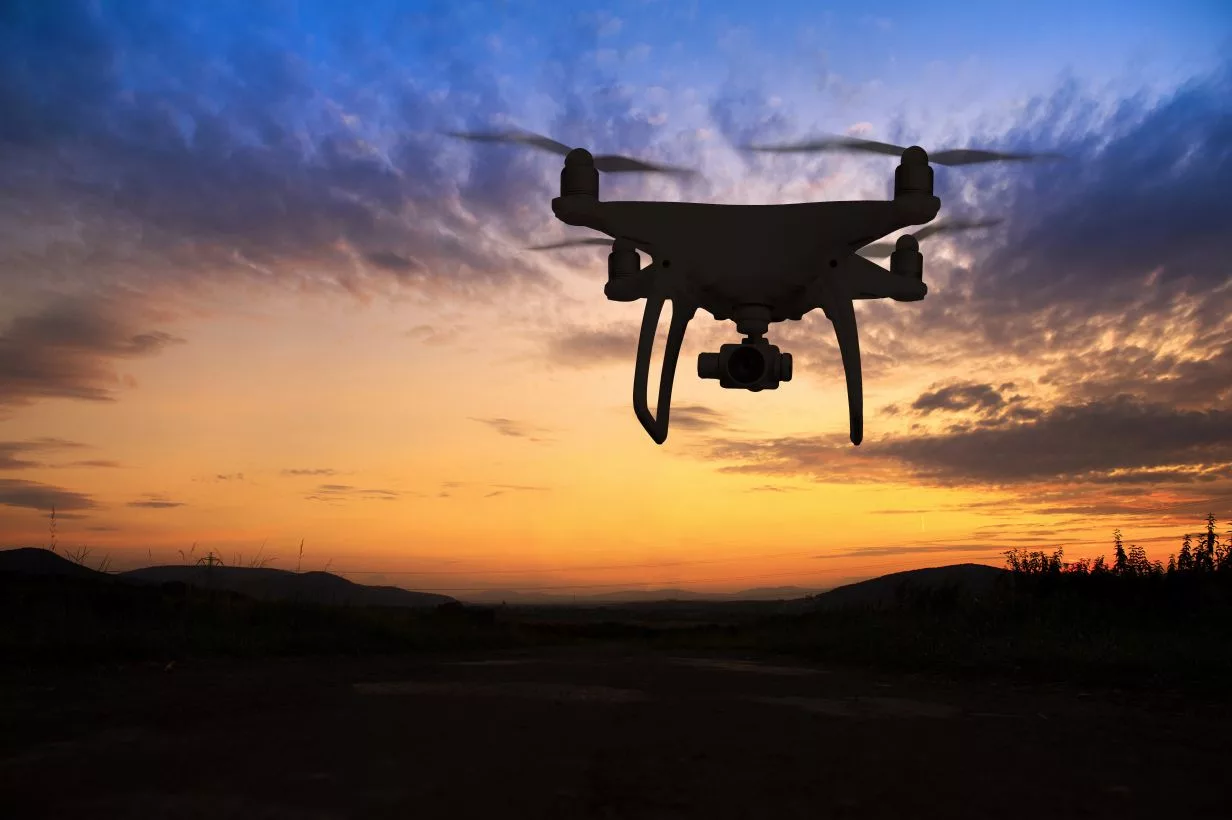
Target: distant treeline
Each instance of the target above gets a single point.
(1198, 576)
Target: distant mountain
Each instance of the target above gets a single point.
(883, 590)
(513, 596)
(774, 593)
(270, 584)
(39, 561)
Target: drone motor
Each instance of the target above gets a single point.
(906, 260)
(913, 175)
(579, 177)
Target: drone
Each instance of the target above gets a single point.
(753, 264)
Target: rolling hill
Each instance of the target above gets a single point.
(973, 579)
(265, 583)
(262, 583)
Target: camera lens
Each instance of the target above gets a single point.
(746, 365)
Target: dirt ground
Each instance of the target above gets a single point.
(594, 734)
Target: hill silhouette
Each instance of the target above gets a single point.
(268, 584)
(39, 561)
(260, 583)
(887, 590)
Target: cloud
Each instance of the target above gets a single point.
(189, 155)
(1097, 442)
(310, 471)
(908, 549)
(1113, 442)
(155, 501)
(432, 336)
(696, 417)
(33, 495)
(514, 429)
(68, 350)
(13, 453)
(590, 347)
(337, 493)
(964, 396)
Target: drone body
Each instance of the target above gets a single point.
(753, 264)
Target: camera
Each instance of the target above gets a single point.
(749, 365)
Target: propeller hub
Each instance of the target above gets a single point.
(579, 156)
(915, 155)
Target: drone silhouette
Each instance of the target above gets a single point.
(753, 264)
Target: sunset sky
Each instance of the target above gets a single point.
(250, 295)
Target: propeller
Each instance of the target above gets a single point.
(605, 163)
(881, 250)
(955, 156)
(570, 243)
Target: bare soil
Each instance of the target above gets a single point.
(595, 733)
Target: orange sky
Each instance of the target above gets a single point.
(475, 462)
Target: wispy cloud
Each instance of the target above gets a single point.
(337, 493)
(514, 429)
(155, 501)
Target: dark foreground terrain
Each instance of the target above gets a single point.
(596, 732)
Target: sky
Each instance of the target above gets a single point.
(252, 298)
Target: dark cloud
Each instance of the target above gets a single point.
(1145, 191)
(393, 262)
(68, 350)
(181, 156)
(33, 495)
(1114, 442)
(963, 396)
(514, 429)
(774, 488)
(13, 454)
(310, 471)
(1089, 442)
(155, 501)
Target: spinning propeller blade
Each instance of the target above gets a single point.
(570, 243)
(956, 156)
(880, 250)
(605, 163)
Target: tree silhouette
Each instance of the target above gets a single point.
(1121, 561)
(1185, 561)
(1204, 555)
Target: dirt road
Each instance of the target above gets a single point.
(594, 733)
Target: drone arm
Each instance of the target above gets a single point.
(865, 279)
(682, 313)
